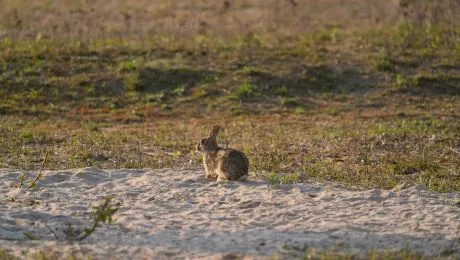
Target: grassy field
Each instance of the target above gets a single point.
(356, 92)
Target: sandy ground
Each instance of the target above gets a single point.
(176, 213)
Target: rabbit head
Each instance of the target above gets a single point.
(209, 144)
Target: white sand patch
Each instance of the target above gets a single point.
(177, 213)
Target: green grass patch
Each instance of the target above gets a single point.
(244, 90)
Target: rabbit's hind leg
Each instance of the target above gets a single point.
(222, 178)
(222, 175)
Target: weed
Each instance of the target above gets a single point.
(282, 91)
(102, 214)
(289, 102)
(400, 79)
(131, 82)
(384, 63)
(251, 71)
(200, 92)
(299, 110)
(333, 111)
(178, 91)
(93, 126)
(157, 97)
(39, 174)
(240, 110)
(130, 65)
(244, 90)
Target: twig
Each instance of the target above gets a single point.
(52, 232)
(21, 180)
(40, 172)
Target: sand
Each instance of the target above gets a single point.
(176, 213)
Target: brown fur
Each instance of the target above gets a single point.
(222, 163)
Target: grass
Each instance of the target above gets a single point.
(331, 92)
(244, 90)
(309, 253)
(377, 154)
(364, 106)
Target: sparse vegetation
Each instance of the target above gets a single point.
(369, 106)
(102, 214)
(244, 90)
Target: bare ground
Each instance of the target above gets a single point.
(176, 213)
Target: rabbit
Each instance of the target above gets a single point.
(222, 163)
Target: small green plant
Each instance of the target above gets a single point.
(248, 70)
(239, 110)
(179, 91)
(92, 126)
(384, 63)
(102, 214)
(201, 91)
(209, 79)
(333, 111)
(400, 79)
(157, 97)
(299, 110)
(282, 91)
(131, 82)
(129, 65)
(245, 90)
(39, 174)
(289, 102)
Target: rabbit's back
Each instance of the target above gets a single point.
(233, 164)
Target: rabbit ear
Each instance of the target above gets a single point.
(214, 131)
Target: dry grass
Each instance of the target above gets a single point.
(185, 19)
(360, 92)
